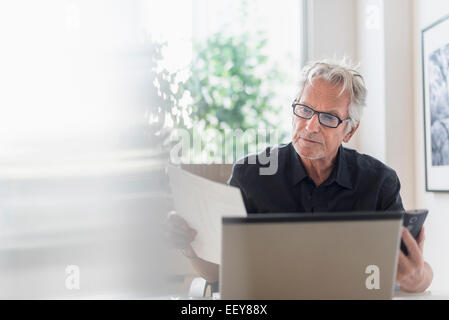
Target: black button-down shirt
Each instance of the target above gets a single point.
(358, 182)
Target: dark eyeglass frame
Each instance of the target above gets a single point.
(319, 114)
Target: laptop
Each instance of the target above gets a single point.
(310, 256)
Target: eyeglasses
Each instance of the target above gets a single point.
(326, 119)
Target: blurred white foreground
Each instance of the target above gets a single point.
(80, 184)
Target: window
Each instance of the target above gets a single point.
(238, 63)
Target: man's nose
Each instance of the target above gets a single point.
(313, 124)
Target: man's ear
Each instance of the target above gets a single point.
(349, 135)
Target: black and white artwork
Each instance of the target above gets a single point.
(439, 105)
(435, 55)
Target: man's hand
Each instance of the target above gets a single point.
(179, 233)
(413, 274)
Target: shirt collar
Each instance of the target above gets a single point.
(298, 172)
(343, 174)
(340, 174)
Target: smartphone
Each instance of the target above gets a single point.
(413, 221)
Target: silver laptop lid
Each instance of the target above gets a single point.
(310, 256)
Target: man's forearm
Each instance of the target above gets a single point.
(205, 269)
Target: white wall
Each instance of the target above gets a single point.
(370, 48)
(399, 117)
(332, 28)
(384, 47)
(437, 226)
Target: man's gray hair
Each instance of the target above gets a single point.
(339, 72)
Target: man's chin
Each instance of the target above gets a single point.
(308, 154)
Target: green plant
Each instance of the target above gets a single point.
(163, 94)
(231, 87)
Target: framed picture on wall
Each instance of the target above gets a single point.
(435, 64)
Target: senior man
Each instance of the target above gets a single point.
(315, 173)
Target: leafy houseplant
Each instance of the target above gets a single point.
(163, 96)
(231, 87)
